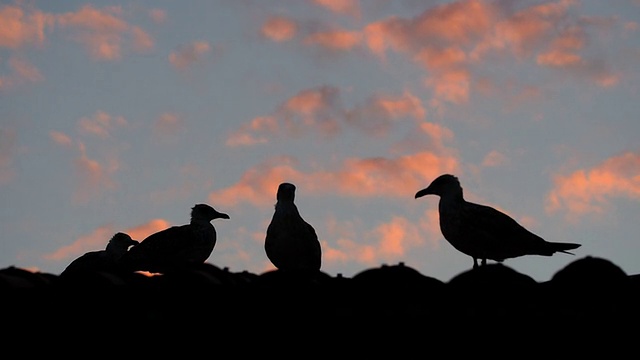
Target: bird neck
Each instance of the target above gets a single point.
(200, 221)
(286, 206)
(454, 197)
(115, 249)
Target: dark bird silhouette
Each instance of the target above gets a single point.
(483, 232)
(107, 260)
(291, 243)
(178, 246)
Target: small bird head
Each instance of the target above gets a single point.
(122, 240)
(443, 185)
(286, 192)
(206, 212)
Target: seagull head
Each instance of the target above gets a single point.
(122, 240)
(443, 185)
(286, 192)
(206, 212)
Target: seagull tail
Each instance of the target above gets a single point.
(564, 247)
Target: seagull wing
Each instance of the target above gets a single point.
(499, 236)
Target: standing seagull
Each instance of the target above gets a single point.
(102, 260)
(291, 243)
(483, 232)
(177, 246)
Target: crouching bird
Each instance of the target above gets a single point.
(291, 243)
(178, 246)
(107, 260)
(483, 232)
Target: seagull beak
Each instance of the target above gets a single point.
(423, 192)
(223, 216)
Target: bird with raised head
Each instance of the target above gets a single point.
(178, 246)
(291, 243)
(483, 232)
(107, 259)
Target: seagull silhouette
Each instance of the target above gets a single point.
(483, 232)
(291, 243)
(177, 246)
(102, 260)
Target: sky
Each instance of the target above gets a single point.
(120, 116)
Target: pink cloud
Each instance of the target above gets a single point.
(248, 134)
(22, 72)
(434, 39)
(140, 232)
(158, 16)
(338, 40)
(258, 185)
(168, 125)
(317, 109)
(60, 138)
(590, 190)
(427, 136)
(99, 238)
(458, 22)
(187, 56)
(25, 70)
(370, 177)
(94, 177)
(376, 117)
(96, 240)
(343, 7)
(100, 124)
(397, 237)
(103, 31)
(320, 110)
(279, 28)
(20, 27)
(386, 242)
(494, 158)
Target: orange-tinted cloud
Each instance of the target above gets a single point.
(95, 175)
(168, 125)
(188, 55)
(434, 39)
(452, 85)
(23, 26)
(254, 132)
(103, 31)
(100, 124)
(99, 238)
(590, 191)
(397, 237)
(21, 72)
(316, 109)
(158, 16)
(494, 158)
(258, 185)
(95, 178)
(140, 232)
(60, 138)
(387, 242)
(279, 28)
(96, 240)
(320, 111)
(376, 117)
(370, 177)
(343, 7)
(337, 40)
